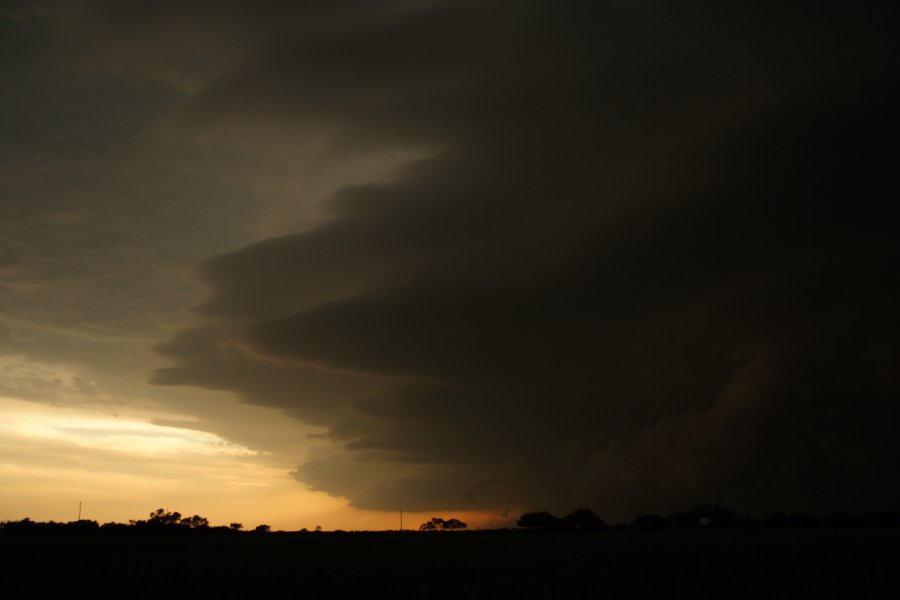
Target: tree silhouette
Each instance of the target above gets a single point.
(584, 519)
(439, 524)
(539, 520)
(164, 518)
(195, 522)
(454, 525)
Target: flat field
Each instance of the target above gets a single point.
(819, 563)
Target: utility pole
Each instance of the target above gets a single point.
(79, 510)
(401, 519)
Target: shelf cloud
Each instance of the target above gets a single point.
(644, 258)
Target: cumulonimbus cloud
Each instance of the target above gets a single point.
(646, 263)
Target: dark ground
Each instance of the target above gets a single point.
(821, 563)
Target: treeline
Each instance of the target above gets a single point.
(703, 516)
(160, 520)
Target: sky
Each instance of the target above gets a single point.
(314, 263)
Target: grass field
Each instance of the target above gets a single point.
(836, 563)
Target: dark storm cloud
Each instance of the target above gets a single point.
(185, 43)
(99, 212)
(9, 257)
(648, 261)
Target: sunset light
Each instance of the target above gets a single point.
(314, 264)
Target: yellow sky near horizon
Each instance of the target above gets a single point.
(122, 467)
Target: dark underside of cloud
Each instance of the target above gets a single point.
(651, 261)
